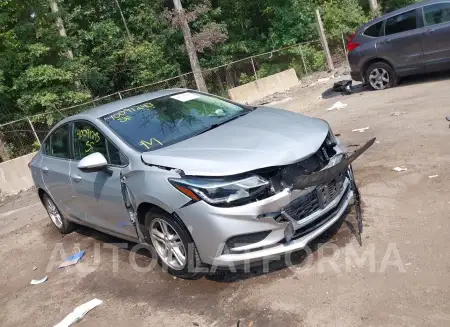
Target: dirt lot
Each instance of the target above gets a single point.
(404, 281)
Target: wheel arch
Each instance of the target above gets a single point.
(145, 207)
(371, 61)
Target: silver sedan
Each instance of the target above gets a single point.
(205, 181)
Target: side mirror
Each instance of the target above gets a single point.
(93, 162)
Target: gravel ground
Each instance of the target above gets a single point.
(400, 277)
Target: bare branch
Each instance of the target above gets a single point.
(210, 35)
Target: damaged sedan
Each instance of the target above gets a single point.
(203, 180)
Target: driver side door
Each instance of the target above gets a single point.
(98, 194)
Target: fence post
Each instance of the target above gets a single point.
(323, 39)
(34, 131)
(303, 59)
(343, 44)
(254, 69)
(120, 95)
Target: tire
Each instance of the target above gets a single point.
(381, 76)
(61, 224)
(168, 252)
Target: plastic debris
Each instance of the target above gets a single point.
(73, 259)
(398, 113)
(448, 118)
(345, 87)
(433, 176)
(34, 268)
(361, 130)
(78, 313)
(398, 169)
(39, 281)
(337, 105)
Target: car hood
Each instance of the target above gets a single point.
(265, 137)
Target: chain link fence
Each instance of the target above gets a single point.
(23, 136)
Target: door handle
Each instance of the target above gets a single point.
(431, 30)
(45, 169)
(385, 41)
(76, 178)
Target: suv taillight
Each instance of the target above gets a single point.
(352, 45)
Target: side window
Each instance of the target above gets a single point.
(57, 144)
(436, 14)
(401, 23)
(374, 30)
(87, 139)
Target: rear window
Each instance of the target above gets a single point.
(374, 30)
(437, 14)
(167, 120)
(401, 23)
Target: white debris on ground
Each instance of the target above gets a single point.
(361, 130)
(337, 105)
(398, 169)
(397, 113)
(78, 313)
(433, 176)
(39, 281)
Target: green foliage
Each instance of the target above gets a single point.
(342, 16)
(390, 5)
(37, 75)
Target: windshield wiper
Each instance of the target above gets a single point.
(223, 122)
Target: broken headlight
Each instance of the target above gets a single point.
(218, 191)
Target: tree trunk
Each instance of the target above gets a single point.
(4, 156)
(374, 6)
(60, 25)
(192, 53)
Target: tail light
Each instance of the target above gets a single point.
(352, 45)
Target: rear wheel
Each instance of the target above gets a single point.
(380, 76)
(173, 244)
(63, 225)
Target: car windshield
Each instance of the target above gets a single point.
(167, 120)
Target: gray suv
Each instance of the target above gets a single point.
(412, 40)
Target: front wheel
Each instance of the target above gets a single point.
(380, 76)
(173, 244)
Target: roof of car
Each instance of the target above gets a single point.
(399, 11)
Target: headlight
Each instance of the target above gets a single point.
(220, 191)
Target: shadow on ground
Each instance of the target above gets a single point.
(339, 234)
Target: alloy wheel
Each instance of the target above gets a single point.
(379, 78)
(53, 212)
(168, 244)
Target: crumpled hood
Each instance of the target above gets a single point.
(265, 137)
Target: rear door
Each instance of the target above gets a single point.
(99, 194)
(55, 168)
(436, 36)
(402, 43)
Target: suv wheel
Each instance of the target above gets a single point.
(380, 76)
(63, 225)
(173, 244)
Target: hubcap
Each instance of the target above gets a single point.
(53, 213)
(379, 78)
(168, 244)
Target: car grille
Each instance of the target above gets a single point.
(317, 199)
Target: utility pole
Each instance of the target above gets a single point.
(374, 6)
(190, 48)
(60, 25)
(323, 39)
(123, 19)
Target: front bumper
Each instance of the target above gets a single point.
(211, 227)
